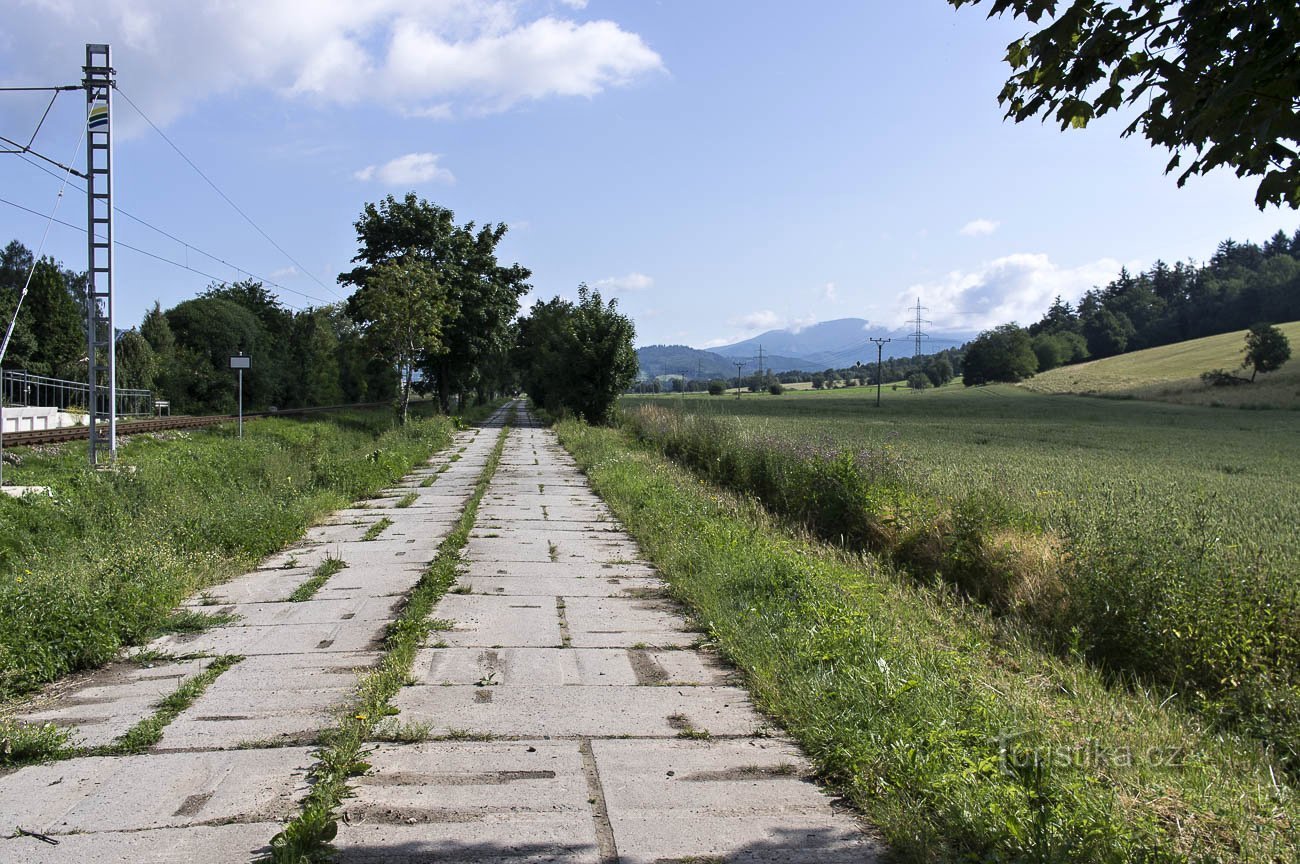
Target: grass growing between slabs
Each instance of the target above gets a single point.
(24, 744)
(955, 736)
(324, 570)
(341, 756)
(101, 562)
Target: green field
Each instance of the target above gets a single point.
(1159, 539)
(1061, 455)
(1171, 373)
(946, 726)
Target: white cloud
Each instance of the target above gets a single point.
(285, 272)
(979, 228)
(427, 57)
(575, 4)
(764, 319)
(407, 170)
(828, 293)
(800, 324)
(1016, 287)
(624, 284)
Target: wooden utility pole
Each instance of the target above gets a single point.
(740, 364)
(880, 377)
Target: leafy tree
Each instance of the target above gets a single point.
(919, 381)
(939, 371)
(717, 388)
(1002, 354)
(207, 331)
(484, 295)
(137, 365)
(275, 382)
(49, 335)
(1267, 348)
(1107, 332)
(775, 388)
(54, 317)
(316, 364)
(1216, 78)
(577, 357)
(402, 308)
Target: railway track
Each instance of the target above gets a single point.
(162, 424)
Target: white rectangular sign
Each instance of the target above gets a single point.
(241, 362)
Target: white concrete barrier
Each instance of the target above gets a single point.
(39, 419)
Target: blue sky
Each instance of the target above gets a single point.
(722, 167)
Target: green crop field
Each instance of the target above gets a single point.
(1159, 539)
(1171, 373)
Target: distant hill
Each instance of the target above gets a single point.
(1171, 373)
(837, 343)
(679, 359)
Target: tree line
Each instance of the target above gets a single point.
(432, 312)
(1242, 285)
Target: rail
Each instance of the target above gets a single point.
(163, 424)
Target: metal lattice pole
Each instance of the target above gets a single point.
(101, 357)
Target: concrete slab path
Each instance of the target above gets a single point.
(567, 715)
(233, 765)
(570, 715)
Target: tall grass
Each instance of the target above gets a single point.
(1138, 593)
(101, 561)
(955, 736)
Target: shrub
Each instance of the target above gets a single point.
(775, 388)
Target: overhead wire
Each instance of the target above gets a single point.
(188, 245)
(183, 266)
(36, 258)
(223, 195)
(27, 284)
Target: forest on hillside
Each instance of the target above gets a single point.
(1243, 284)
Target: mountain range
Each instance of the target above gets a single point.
(828, 344)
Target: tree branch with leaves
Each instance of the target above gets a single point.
(1214, 80)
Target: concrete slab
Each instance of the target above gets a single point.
(314, 611)
(197, 844)
(491, 621)
(566, 586)
(600, 622)
(133, 793)
(102, 706)
(744, 800)
(545, 569)
(527, 711)
(565, 667)
(343, 636)
(472, 802)
(260, 586)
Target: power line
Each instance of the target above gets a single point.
(916, 323)
(224, 196)
(188, 245)
(22, 295)
(145, 252)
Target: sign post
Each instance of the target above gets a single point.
(241, 362)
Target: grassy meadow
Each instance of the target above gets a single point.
(1157, 540)
(1171, 373)
(943, 723)
(102, 561)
